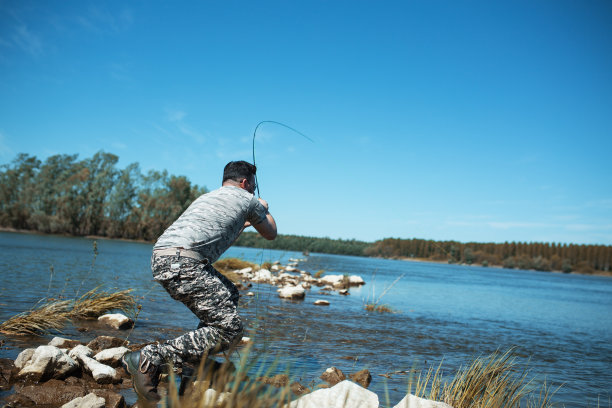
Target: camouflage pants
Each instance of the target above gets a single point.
(210, 296)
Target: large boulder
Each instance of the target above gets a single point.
(51, 393)
(292, 292)
(412, 401)
(117, 321)
(48, 362)
(342, 395)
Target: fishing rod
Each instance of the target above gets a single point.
(255, 134)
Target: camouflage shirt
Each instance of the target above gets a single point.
(213, 221)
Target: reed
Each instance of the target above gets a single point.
(227, 266)
(373, 307)
(488, 382)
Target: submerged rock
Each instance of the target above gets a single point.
(363, 378)
(320, 302)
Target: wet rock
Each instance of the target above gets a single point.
(290, 268)
(102, 373)
(333, 376)
(363, 378)
(52, 392)
(117, 321)
(262, 276)
(63, 343)
(250, 294)
(111, 356)
(344, 292)
(104, 342)
(8, 372)
(412, 401)
(48, 362)
(112, 398)
(244, 341)
(306, 285)
(355, 280)
(279, 380)
(343, 394)
(298, 389)
(91, 400)
(292, 292)
(333, 280)
(321, 302)
(17, 400)
(24, 357)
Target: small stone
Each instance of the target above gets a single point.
(292, 292)
(333, 376)
(355, 280)
(91, 400)
(344, 292)
(321, 302)
(298, 389)
(105, 342)
(278, 381)
(250, 294)
(117, 321)
(363, 378)
(244, 341)
(63, 343)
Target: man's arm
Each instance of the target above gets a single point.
(266, 228)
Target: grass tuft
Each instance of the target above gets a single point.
(373, 307)
(53, 315)
(488, 382)
(227, 266)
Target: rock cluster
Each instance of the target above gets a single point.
(293, 283)
(67, 373)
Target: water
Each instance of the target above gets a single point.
(560, 324)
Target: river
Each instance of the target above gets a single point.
(561, 324)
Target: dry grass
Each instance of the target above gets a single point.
(41, 319)
(233, 388)
(489, 382)
(53, 315)
(373, 307)
(94, 304)
(227, 266)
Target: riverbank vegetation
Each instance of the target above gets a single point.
(65, 195)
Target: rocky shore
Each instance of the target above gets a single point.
(69, 373)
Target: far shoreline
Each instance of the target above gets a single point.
(408, 259)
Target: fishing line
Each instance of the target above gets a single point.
(255, 134)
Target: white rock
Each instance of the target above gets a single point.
(275, 268)
(245, 271)
(412, 401)
(48, 361)
(332, 279)
(102, 373)
(244, 341)
(292, 292)
(344, 292)
(61, 342)
(210, 397)
(306, 285)
(91, 400)
(356, 280)
(24, 357)
(321, 302)
(111, 356)
(117, 321)
(345, 394)
(80, 351)
(291, 269)
(250, 294)
(262, 276)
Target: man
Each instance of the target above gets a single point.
(182, 263)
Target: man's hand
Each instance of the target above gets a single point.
(267, 228)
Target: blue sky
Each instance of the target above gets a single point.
(474, 121)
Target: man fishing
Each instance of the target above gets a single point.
(182, 263)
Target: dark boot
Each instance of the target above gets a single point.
(145, 375)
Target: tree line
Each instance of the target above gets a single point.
(64, 195)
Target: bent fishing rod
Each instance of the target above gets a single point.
(255, 134)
